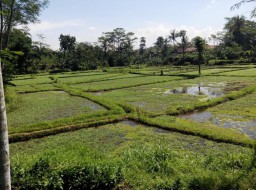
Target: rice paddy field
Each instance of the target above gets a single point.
(134, 129)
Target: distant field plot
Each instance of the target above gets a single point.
(246, 72)
(207, 71)
(239, 115)
(239, 66)
(34, 88)
(91, 78)
(51, 105)
(122, 83)
(31, 80)
(143, 153)
(77, 74)
(157, 98)
(163, 70)
(188, 70)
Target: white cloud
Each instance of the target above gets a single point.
(51, 30)
(50, 26)
(213, 2)
(92, 28)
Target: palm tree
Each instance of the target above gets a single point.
(5, 177)
(199, 43)
(184, 43)
(173, 36)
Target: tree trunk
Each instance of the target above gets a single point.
(5, 174)
(200, 58)
(5, 177)
(199, 68)
(183, 54)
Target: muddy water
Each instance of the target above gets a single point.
(130, 123)
(246, 127)
(158, 130)
(211, 90)
(134, 124)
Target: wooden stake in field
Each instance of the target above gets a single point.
(5, 174)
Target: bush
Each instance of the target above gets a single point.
(12, 100)
(40, 176)
(91, 175)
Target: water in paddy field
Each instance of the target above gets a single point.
(211, 90)
(246, 127)
(129, 123)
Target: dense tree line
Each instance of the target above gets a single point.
(236, 43)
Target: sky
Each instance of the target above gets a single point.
(88, 19)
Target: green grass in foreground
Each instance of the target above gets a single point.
(51, 105)
(130, 157)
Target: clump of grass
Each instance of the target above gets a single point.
(91, 175)
(12, 100)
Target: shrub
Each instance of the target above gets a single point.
(40, 176)
(12, 100)
(90, 175)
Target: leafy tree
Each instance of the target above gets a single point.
(234, 27)
(67, 45)
(240, 31)
(237, 5)
(216, 40)
(118, 46)
(19, 12)
(142, 50)
(21, 41)
(199, 43)
(85, 57)
(161, 47)
(104, 45)
(159, 43)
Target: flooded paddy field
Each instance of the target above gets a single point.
(50, 105)
(238, 115)
(157, 98)
(123, 83)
